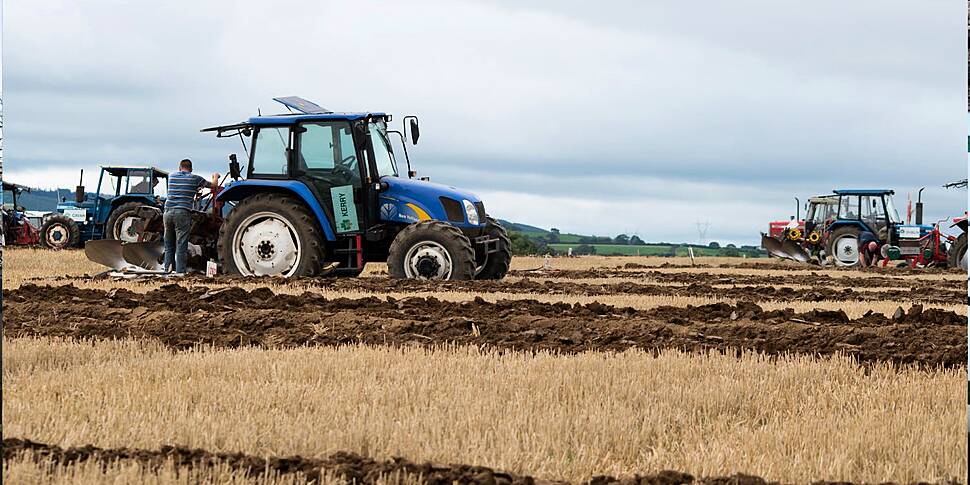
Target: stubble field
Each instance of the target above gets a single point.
(614, 368)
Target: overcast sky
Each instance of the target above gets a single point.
(593, 117)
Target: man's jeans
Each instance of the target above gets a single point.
(178, 222)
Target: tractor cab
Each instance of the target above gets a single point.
(821, 212)
(108, 213)
(341, 170)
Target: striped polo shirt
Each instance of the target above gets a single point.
(182, 187)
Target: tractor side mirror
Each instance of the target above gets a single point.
(415, 131)
(79, 194)
(234, 170)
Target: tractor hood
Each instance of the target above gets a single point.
(410, 200)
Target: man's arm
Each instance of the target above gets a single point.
(203, 182)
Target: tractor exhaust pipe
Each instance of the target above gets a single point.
(79, 190)
(919, 206)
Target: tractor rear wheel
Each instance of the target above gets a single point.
(431, 250)
(957, 255)
(496, 264)
(121, 223)
(59, 232)
(271, 234)
(844, 246)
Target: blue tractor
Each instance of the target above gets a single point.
(873, 211)
(109, 213)
(323, 193)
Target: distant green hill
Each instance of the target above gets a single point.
(544, 240)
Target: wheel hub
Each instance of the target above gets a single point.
(57, 234)
(427, 260)
(428, 266)
(265, 250)
(266, 245)
(127, 231)
(846, 250)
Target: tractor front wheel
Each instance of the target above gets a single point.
(271, 235)
(844, 246)
(121, 223)
(957, 255)
(496, 264)
(59, 232)
(431, 250)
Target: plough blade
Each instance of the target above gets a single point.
(107, 252)
(147, 255)
(773, 246)
(793, 250)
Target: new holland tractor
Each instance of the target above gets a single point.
(323, 193)
(110, 213)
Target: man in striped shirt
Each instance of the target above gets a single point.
(182, 188)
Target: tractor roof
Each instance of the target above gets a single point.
(863, 192)
(300, 110)
(289, 119)
(122, 170)
(12, 186)
(824, 199)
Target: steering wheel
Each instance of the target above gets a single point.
(344, 173)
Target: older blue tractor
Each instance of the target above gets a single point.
(873, 211)
(110, 213)
(323, 193)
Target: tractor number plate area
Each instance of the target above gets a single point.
(344, 210)
(76, 215)
(909, 232)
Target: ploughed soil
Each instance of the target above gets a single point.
(697, 286)
(810, 279)
(351, 466)
(183, 317)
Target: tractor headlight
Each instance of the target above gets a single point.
(470, 212)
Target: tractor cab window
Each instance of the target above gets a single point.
(849, 207)
(327, 151)
(111, 185)
(891, 210)
(383, 157)
(141, 182)
(269, 154)
(8, 201)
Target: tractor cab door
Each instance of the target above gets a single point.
(327, 160)
(874, 216)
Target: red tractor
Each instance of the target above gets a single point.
(802, 239)
(17, 229)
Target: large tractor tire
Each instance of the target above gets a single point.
(271, 234)
(121, 225)
(431, 250)
(59, 232)
(496, 265)
(957, 255)
(844, 246)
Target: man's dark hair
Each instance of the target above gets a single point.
(185, 165)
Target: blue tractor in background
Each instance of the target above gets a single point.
(323, 193)
(109, 213)
(873, 211)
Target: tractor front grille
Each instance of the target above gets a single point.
(453, 209)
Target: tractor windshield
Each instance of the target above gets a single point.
(383, 157)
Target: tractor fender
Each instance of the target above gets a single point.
(242, 189)
(840, 224)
